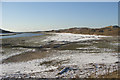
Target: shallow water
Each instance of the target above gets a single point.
(21, 35)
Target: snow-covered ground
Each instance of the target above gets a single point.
(72, 37)
(70, 57)
(48, 67)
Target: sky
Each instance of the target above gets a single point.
(40, 16)
(60, 0)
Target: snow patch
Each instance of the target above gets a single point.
(72, 37)
(75, 58)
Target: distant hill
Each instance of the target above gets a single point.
(5, 31)
(108, 31)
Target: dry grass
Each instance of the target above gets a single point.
(26, 56)
(111, 75)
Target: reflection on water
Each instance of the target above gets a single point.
(21, 35)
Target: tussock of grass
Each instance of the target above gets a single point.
(53, 62)
(72, 46)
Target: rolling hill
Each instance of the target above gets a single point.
(108, 31)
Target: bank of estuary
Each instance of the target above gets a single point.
(59, 55)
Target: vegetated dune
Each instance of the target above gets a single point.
(108, 31)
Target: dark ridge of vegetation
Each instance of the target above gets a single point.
(5, 31)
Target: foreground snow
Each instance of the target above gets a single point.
(72, 37)
(69, 58)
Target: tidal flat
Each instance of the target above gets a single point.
(60, 55)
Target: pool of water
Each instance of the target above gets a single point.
(21, 35)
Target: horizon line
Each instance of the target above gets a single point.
(60, 28)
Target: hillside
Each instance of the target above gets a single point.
(108, 31)
(4, 31)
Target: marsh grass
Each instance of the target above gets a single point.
(106, 43)
(54, 62)
(114, 74)
(72, 46)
